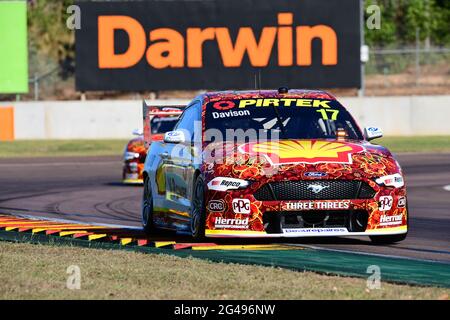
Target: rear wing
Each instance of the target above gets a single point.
(150, 110)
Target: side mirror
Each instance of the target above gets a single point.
(176, 136)
(137, 132)
(373, 133)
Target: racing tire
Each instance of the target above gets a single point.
(198, 212)
(147, 209)
(388, 239)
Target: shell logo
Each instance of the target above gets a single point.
(303, 151)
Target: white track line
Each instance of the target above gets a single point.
(446, 188)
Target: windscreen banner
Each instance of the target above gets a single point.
(212, 44)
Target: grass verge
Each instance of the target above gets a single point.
(416, 144)
(39, 272)
(61, 148)
(57, 148)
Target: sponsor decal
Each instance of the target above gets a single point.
(391, 220)
(230, 114)
(316, 205)
(286, 102)
(315, 230)
(224, 223)
(223, 105)
(216, 205)
(313, 174)
(401, 202)
(173, 133)
(373, 132)
(224, 184)
(164, 119)
(171, 109)
(241, 206)
(303, 151)
(174, 136)
(385, 203)
(392, 180)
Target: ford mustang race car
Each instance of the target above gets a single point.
(286, 163)
(162, 119)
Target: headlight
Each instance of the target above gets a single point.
(224, 184)
(130, 155)
(392, 180)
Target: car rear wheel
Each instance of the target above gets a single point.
(198, 218)
(147, 208)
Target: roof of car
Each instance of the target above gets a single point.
(297, 93)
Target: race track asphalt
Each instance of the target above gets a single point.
(89, 190)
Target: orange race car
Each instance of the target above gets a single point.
(162, 120)
(268, 163)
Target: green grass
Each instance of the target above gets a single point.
(39, 272)
(416, 144)
(60, 148)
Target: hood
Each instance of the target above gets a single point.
(157, 136)
(136, 145)
(309, 158)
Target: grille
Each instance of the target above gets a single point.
(304, 190)
(353, 220)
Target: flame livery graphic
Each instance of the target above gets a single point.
(266, 189)
(303, 151)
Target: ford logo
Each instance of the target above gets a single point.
(315, 174)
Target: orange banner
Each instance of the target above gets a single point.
(6, 123)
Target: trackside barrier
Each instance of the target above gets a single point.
(115, 119)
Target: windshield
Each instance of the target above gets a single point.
(163, 124)
(288, 118)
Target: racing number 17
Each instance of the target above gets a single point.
(325, 115)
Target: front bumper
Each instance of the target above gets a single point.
(314, 232)
(132, 172)
(293, 218)
(132, 181)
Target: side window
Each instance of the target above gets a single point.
(190, 115)
(181, 120)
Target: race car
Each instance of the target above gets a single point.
(161, 120)
(273, 163)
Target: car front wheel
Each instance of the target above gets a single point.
(388, 239)
(198, 218)
(147, 208)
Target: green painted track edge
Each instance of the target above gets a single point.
(395, 270)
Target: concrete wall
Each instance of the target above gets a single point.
(412, 115)
(419, 115)
(101, 119)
